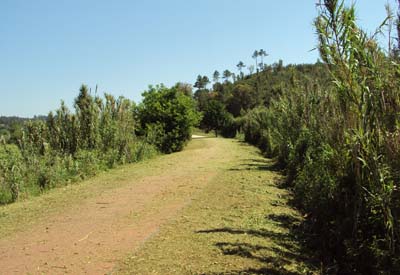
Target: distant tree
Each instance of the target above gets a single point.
(202, 94)
(251, 69)
(206, 81)
(244, 98)
(201, 82)
(201, 97)
(214, 116)
(216, 76)
(255, 57)
(226, 75)
(240, 67)
(185, 88)
(278, 66)
(262, 54)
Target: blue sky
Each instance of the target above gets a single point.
(48, 48)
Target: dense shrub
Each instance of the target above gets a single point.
(216, 118)
(340, 147)
(229, 127)
(10, 173)
(99, 135)
(167, 116)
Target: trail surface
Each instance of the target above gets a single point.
(92, 227)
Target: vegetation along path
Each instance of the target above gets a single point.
(213, 208)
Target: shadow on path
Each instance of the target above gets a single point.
(284, 250)
(284, 238)
(258, 164)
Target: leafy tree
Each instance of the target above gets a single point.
(262, 53)
(170, 114)
(87, 113)
(185, 88)
(201, 97)
(216, 76)
(243, 98)
(226, 75)
(240, 67)
(255, 57)
(214, 116)
(206, 81)
(201, 82)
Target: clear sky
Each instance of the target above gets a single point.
(48, 48)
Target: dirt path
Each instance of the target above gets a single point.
(241, 223)
(97, 230)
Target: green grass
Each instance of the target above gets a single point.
(239, 224)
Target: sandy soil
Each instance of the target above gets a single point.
(90, 237)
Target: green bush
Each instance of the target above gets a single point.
(88, 163)
(229, 127)
(142, 150)
(11, 166)
(167, 117)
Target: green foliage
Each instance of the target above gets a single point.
(69, 147)
(167, 116)
(87, 113)
(142, 150)
(5, 134)
(63, 131)
(243, 98)
(216, 118)
(201, 82)
(230, 126)
(334, 128)
(10, 173)
(367, 95)
(340, 146)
